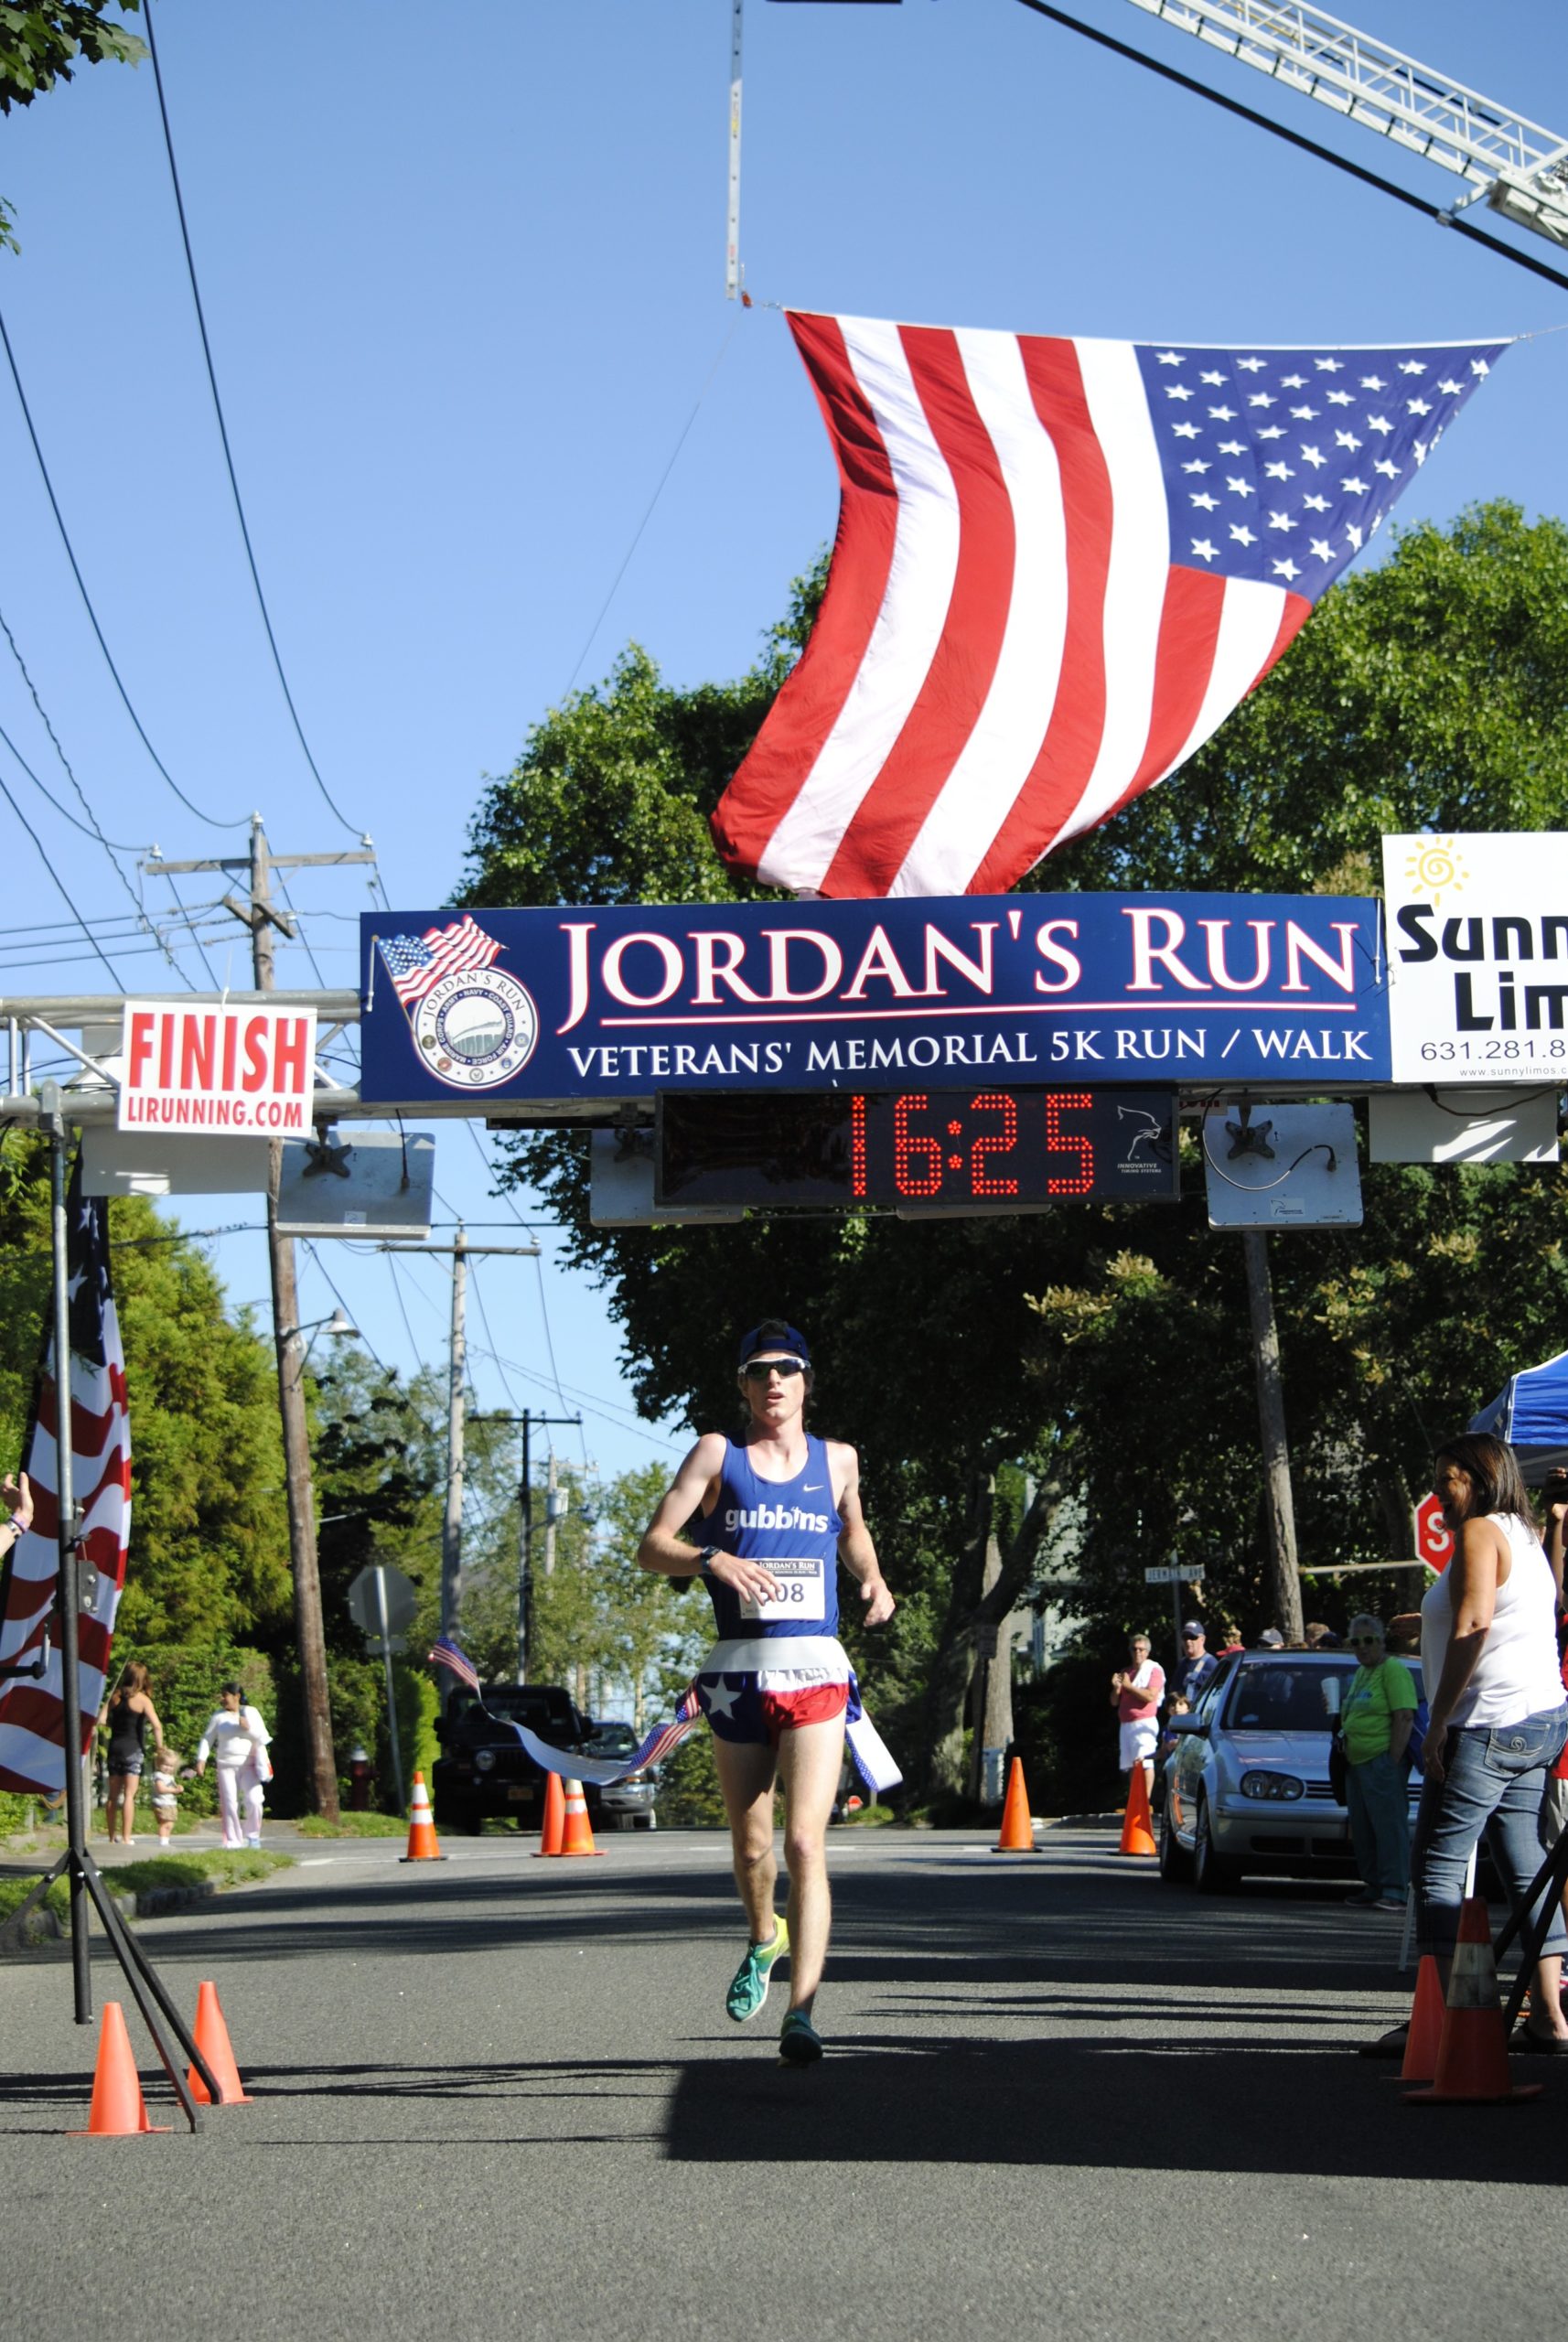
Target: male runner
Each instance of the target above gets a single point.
(777, 1510)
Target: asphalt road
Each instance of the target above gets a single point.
(501, 2095)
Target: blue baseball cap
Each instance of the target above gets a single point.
(786, 1338)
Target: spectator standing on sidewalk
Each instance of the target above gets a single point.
(1197, 1666)
(1135, 1694)
(1375, 1720)
(237, 1739)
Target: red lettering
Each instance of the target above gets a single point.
(141, 1044)
(166, 1051)
(255, 1073)
(289, 1069)
(197, 1045)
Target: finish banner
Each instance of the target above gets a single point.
(572, 1005)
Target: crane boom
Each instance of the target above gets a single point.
(1519, 167)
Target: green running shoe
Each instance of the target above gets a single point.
(749, 1988)
(800, 2043)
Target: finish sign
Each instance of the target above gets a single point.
(246, 1070)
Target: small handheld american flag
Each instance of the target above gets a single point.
(443, 1652)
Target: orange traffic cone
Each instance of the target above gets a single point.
(1472, 2054)
(1137, 1823)
(577, 1838)
(552, 1829)
(423, 1844)
(212, 2040)
(1424, 2037)
(1017, 1835)
(117, 2110)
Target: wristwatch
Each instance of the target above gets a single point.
(705, 1560)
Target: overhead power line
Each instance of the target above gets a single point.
(64, 894)
(353, 828)
(211, 820)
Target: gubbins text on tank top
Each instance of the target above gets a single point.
(776, 1515)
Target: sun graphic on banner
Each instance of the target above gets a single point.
(1436, 869)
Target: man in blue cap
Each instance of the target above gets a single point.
(774, 1512)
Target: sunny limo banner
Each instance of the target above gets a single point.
(585, 1004)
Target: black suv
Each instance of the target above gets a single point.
(484, 1770)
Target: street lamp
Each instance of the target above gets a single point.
(337, 1328)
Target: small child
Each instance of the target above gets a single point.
(165, 1792)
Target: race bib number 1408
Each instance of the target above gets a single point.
(802, 1594)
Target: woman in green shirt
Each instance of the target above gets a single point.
(1375, 1721)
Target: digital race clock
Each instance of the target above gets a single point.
(983, 1148)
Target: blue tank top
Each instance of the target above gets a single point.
(792, 1527)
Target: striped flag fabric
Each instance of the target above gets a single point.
(32, 1754)
(416, 963)
(443, 1652)
(1059, 564)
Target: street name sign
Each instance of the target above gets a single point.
(1173, 1577)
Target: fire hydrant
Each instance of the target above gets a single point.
(362, 1780)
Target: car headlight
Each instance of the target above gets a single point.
(1271, 1785)
(484, 1759)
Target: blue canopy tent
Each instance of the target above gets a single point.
(1530, 1412)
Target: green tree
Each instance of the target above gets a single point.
(40, 46)
(208, 1528)
(379, 1468)
(1430, 692)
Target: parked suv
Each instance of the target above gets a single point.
(1247, 1780)
(484, 1771)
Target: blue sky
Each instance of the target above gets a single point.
(463, 273)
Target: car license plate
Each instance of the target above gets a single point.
(520, 1792)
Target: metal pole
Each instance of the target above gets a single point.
(385, 1633)
(524, 1559)
(309, 1637)
(69, 1589)
(552, 1483)
(452, 1529)
(732, 244)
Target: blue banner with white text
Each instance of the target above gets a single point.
(576, 1005)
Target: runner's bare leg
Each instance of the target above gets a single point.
(810, 1758)
(745, 1777)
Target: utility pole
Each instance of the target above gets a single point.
(262, 919)
(1285, 1579)
(525, 1538)
(462, 1252)
(452, 1527)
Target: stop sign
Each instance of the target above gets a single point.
(1433, 1538)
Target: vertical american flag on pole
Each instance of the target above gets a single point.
(1059, 564)
(416, 963)
(31, 1752)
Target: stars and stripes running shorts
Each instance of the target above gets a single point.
(752, 1710)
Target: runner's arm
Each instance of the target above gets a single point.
(856, 1550)
(667, 1552)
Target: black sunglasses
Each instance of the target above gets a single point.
(1370, 1640)
(758, 1369)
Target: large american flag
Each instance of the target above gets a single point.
(1059, 566)
(31, 1736)
(418, 962)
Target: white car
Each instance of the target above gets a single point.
(631, 1804)
(1247, 1783)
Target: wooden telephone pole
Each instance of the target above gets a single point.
(260, 915)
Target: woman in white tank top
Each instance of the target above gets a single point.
(1488, 1656)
